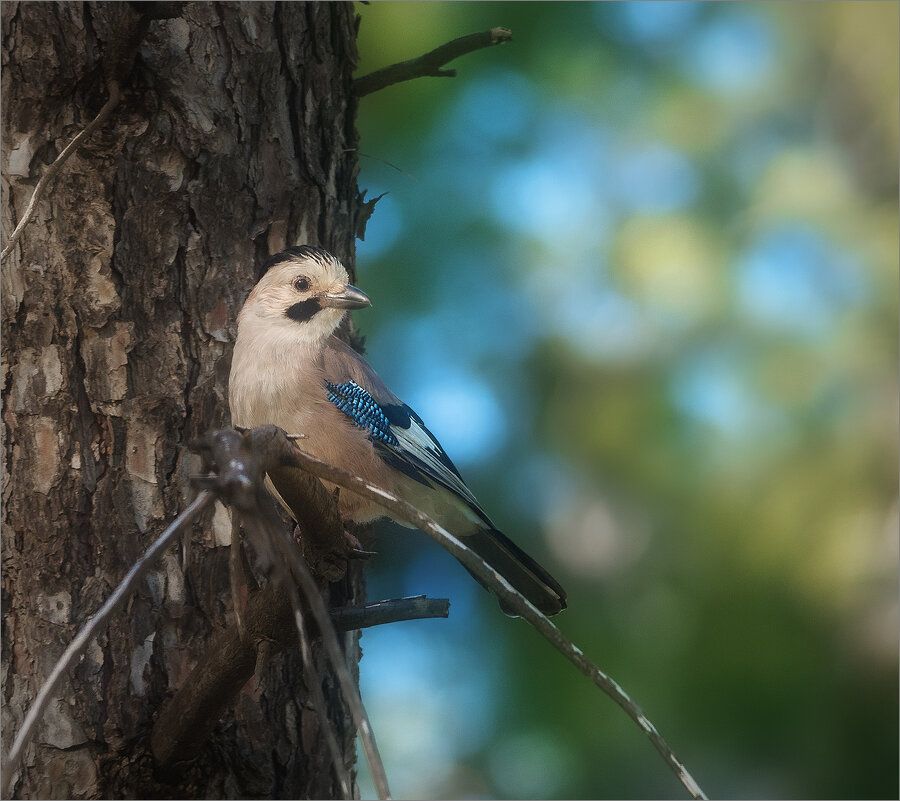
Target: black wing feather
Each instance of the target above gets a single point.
(402, 440)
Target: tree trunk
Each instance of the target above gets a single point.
(234, 138)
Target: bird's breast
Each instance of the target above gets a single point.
(292, 395)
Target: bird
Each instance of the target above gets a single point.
(291, 370)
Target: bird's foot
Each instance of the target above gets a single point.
(352, 541)
(355, 549)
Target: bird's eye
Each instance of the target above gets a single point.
(301, 284)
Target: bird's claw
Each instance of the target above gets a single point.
(359, 553)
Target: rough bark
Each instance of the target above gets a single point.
(234, 138)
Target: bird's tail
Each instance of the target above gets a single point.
(519, 569)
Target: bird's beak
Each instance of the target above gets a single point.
(348, 298)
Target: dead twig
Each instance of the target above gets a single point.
(430, 64)
(53, 170)
(315, 685)
(231, 657)
(92, 628)
(240, 577)
(255, 509)
(333, 648)
(240, 465)
(270, 439)
(234, 654)
(377, 614)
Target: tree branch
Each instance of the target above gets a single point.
(187, 719)
(430, 64)
(313, 598)
(315, 686)
(259, 519)
(244, 459)
(271, 441)
(240, 467)
(417, 607)
(229, 661)
(92, 628)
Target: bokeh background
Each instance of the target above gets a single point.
(638, 271)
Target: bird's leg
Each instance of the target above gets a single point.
(355, 548)
(352, 541)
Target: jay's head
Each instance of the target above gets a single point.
(302, 297)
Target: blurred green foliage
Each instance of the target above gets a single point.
(638, 271)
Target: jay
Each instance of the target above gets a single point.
(289, 370)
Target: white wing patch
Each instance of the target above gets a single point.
(402, 440)
(418, 442)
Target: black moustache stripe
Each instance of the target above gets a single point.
(304, 310)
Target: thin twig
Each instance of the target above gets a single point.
(318, 697)
(511, 598)
(333, 649)
(430, 64)
(93, 627)
(417, 607)
(262, 523)
(241, 465)
(388, 164)
(240, 577)
(187, 718)
(53, 170)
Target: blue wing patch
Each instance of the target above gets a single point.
(361, 408)
(402, 440)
